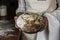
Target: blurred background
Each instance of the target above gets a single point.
(11, 7)
(7, 25)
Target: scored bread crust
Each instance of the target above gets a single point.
(32, 23)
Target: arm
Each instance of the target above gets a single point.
(21, 6)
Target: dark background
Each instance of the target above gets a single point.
(11, 7)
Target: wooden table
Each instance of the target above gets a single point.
(11, 35)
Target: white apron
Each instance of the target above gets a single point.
(39, 6)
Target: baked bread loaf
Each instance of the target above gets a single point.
(31, 22)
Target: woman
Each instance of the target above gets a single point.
(53, 28)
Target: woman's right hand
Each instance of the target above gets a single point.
(15, 18)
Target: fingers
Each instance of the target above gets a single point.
(15, 18)
(17, 27)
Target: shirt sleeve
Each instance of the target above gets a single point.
(53, 26)
(21, 6)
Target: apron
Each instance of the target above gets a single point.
(40, 6)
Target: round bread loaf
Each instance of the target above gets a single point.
(31, 22)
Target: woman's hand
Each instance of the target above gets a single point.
(15, 18)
